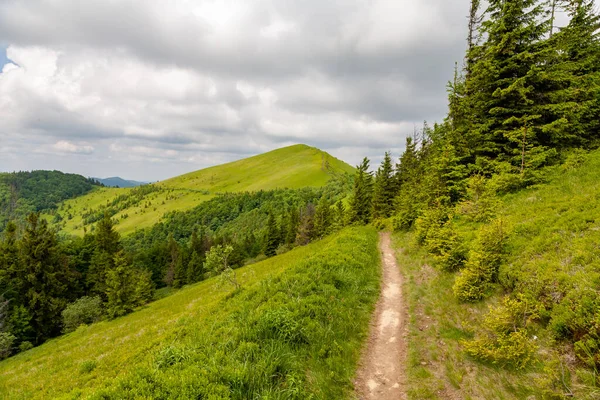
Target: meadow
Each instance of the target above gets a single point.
(293, 331)
(289, 167)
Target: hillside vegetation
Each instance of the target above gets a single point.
(551, 269)
(24, 192)
(290, 167)
(293, 331)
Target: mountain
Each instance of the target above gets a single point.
(118, 182)
(135, 208)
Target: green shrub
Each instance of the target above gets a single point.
(504, 339)
(574, 159)
(431, 220)
(87, 366)
(577, 317)
(470, 285)
(481, 269)
(481, 202)
(6, 344)
(446, 246)
(85, 310)
(24, 346)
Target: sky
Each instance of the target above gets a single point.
(150, 89)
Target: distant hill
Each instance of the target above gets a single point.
(140, 207)
(32, 191)
(119, 182)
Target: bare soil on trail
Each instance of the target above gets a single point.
(381, 374)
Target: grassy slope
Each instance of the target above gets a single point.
(292, 167)
(294, 330)
(555, 233)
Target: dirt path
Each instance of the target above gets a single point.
(381, 374)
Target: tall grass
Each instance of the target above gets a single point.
(294, 331)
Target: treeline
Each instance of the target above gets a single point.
(527, 98)
(22, 193)
(47, 285)
(51, 284)
(256, 225)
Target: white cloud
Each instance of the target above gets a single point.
(64, 146)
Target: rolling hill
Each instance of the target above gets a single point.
(135, 208)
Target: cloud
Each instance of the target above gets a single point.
(185, 84)
(67, 147)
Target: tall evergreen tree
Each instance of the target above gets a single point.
(384, 189)
(195, 268)
(339, 216)
(43, 277)
(120, 288)
(292, 228)
(569, 86)
(272, 236)
(323, 219)
(503, 78)
(107, 244)
(360, 204)
(173, 249)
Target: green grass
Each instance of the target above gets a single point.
(294, 331)
(290, 167)
(552, 248)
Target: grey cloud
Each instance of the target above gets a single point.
(347, 76)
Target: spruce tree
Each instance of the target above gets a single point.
(384, 189)
(120, 288)
(339, 217)
(43, 277)
(570, 85)
(360, 204)
(306, 227)
(272, 236)
(180, 275)
(173, 257)
(292, 229)
(195, 268)
(503, 80)
(107, 243)
(322, 219)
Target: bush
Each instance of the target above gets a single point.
(85, 310)
(6, 344)
(577, 317)
(431, 220)
(24, 346)
(575, 159)
(481, 269)
(481, 202)
(446, 246)
(504, 339)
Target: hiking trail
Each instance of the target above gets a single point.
(381, 374)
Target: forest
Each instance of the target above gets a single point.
(22, 193)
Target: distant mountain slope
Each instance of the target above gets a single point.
(135, 208)
(116, 181)
(31, 191)
(292, 167)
